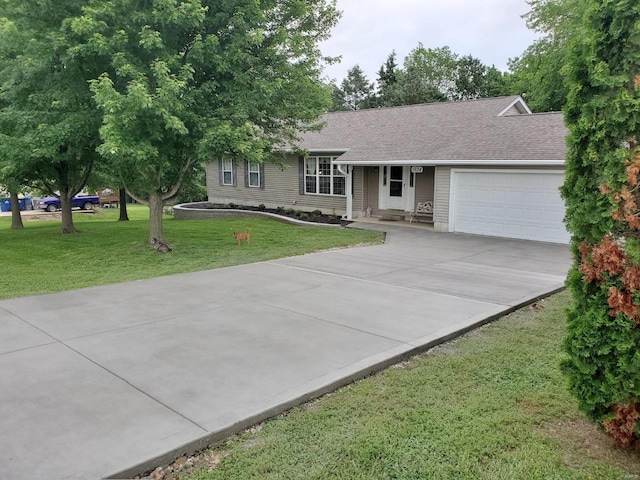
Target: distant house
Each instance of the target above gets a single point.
(487, 166)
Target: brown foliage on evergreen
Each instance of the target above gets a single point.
(608, 258)
(628, 196)
(622, 427)
(605, 257)
(621, 301)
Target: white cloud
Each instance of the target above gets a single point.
(491, 30)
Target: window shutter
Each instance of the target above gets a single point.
(262, 176)
(220, 172)
(234, 169)
(246, 173)
(301, 175)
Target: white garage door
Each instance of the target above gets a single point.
(513, 204)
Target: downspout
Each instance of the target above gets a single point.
(349, 189)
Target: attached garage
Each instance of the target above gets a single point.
(523, 204)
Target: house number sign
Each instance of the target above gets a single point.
(416, 169)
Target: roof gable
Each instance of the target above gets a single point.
(517, 107)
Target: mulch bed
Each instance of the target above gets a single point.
(315, 216)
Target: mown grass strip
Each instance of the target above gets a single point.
(38, 259)
(491, 405)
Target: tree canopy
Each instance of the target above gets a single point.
(48, 118)
(539, 73)
(201, 80)
(175, 84)
(427, 75)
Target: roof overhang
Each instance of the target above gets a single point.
(452, 163)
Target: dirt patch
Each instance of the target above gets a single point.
(585, 442)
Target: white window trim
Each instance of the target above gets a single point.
(332, 175)
(226, 162)
(254, 168)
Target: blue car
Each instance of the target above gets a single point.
(85, 202)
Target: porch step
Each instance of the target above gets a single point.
(392, 215)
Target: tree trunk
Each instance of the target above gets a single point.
(16, 218)
(67, 219)
(155, 216)
(124, 217)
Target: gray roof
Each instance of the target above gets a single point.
(438, 132)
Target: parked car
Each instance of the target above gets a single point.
(85, 202)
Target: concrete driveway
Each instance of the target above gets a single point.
(112, 380)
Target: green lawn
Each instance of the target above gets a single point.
(38, 259)
(491, 405)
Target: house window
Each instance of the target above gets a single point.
(227, 172)
(323, 178)
(254, 174)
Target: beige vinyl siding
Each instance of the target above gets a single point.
(512, 111)
(358, 191)
(281, 189)
(441, 199)
(371, 184)
(425, 185)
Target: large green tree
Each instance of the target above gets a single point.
(470, 80)
(198, 80)
(602, 193)
(48, 119)
(428, 75)
(538, 74)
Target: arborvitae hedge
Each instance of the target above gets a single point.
(602, 193)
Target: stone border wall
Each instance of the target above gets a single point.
(198, 211)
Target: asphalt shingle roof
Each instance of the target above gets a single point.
(458, 131)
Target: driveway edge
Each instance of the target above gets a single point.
(326, 384)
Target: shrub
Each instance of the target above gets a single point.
(602, 195)
(262, 207)
(302, 215)
(316, 212)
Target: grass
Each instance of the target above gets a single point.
(38, 259)
(491, 405)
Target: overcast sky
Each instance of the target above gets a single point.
(491, 30)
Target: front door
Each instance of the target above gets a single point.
(393, 188)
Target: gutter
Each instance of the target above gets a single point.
(453, 163)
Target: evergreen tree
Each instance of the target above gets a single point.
(338, 102)
(358, 92)
(388, 82)
(602, 194)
